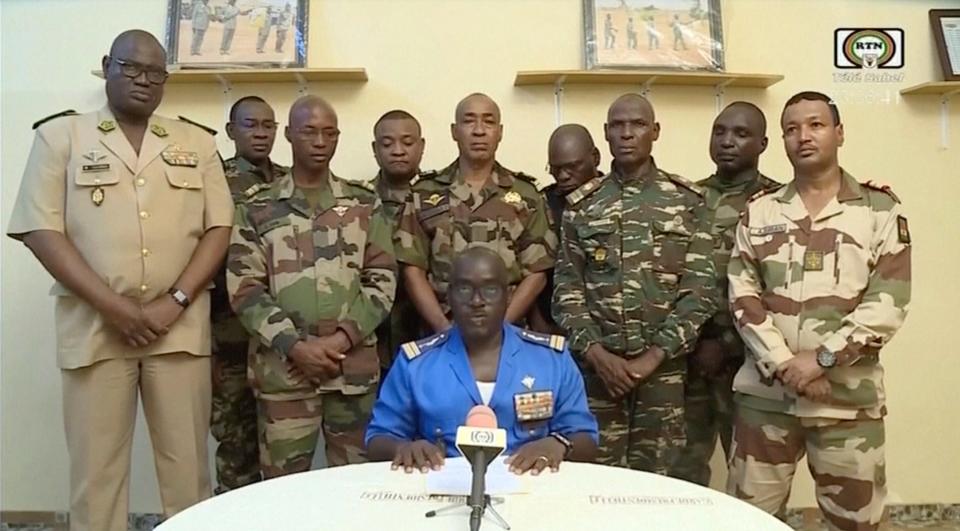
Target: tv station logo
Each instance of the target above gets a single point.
(868, 48)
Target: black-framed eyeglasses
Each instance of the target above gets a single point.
(133, 71)
(466, 292)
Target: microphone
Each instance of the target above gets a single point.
(480, 441)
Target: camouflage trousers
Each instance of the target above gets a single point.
(289, 431)
(845, 457)
(233, 423)
(645, 429)
(708, 405)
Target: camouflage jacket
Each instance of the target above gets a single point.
(726, 202)
(841, 281)
(635, 269)
(443, 217)
(293, 272)
(392, 199)
(245, 181)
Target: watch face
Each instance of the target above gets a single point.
(826, 359)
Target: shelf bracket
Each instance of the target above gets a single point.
(945, 117)
(558, 101)
(301, 84)
(227, 89)
(718, 94)
(647, 87)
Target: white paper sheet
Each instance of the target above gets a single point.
(455, 478)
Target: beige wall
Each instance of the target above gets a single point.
(423, 55)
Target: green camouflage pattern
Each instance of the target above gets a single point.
(295, 272)
(233, 421)
(403, 324)
(709, 399)
(289, 431)
(841, 281)
(845, 457)
(443, 216)
(636, 272)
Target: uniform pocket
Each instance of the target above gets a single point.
(670, 240)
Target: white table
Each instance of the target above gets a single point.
(371, 497)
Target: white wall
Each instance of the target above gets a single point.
(424, 55)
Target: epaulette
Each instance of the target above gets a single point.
(210, 130)
(881, 188)
(255, 189)
(365, 185)
(585, 189)
(557, 343)
(524, 177)
(413, 349)
(429, 174)
(686, 183)
(68, 112)
(760, 193)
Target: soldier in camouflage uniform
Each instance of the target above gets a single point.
(819, 283)
(573, 159)
(233, 423)
(311, 274)
(398, 147)
(474, 202)
(738, 137)
(635, 282)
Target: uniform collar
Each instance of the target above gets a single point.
(386, 192)
(115, 141)
(506, 368)
(651, 174)
(287, 191)
(795, 210)
(245, 166)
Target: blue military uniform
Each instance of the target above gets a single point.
(430, 389)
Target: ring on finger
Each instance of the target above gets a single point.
(546, 460)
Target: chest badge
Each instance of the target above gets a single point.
(97, 196)
(433, 200)
(94, 155)
(512, 198)
(600, 254)
(341, 210)
(528, 381)
(813, 261)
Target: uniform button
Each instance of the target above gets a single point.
(141, 182)
(96, 181)
(143, 288)
(144, 215)
(145, 252)
(186, 184)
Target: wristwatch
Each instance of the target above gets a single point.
(567, 445)
(179, 297)
(826, 358)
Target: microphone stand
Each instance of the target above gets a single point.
(487, 506)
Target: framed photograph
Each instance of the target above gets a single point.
(237, 33)
(661, 34)
(946, 33)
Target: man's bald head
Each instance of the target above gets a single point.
(473, 100)
(313, 134)
(474, 258)
(572, 156)
(751, 112)
(632, 101)
(308, 105)
(132, 39)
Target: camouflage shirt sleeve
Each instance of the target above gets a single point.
(883, 304)
(378, 281)
(697, 294)
(569, 297)
(249, 288)
(756, 327)
(410, 240)
(537, 245)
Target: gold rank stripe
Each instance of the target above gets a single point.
(557, 343)
(411, 350)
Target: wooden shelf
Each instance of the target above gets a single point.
(644, 77)
(938, 88)
(274, 75)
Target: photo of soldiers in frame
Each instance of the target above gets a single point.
(237, 33)
(662, 34)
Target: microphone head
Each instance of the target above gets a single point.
(481, 417)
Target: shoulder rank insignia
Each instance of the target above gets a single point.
(585, 190)
(68, 112)
(106, 126)
(684, 182)
(523, 177)
(158, 130)
(760, 193)
(413, 349)
(557, 343)
(255, 189)
(365, 185)
(882, 188)
(210, 130)
(429, 174)
(903, 231)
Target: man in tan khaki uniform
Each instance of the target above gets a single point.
(130, 213)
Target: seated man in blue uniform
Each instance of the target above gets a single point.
(529, 380)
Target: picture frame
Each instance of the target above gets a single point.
(945, 24)
(231, 34)
(653, 34)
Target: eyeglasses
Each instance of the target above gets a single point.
(328, 133)
(133, 71)
(466, 292)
